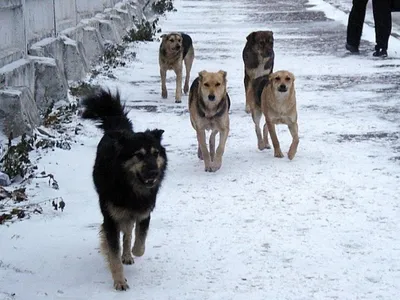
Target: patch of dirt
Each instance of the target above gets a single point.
(389, 136)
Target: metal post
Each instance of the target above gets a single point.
(24, 24)
(76, 13)
(54, 18)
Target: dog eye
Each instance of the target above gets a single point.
(217, 84)
(277, 78)
(287, 78)
(156, 153)
(206, 84)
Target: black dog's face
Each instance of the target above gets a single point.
(262, 42)
(144, 158)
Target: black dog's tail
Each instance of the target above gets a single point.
(103, 106)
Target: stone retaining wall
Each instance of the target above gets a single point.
(43, 47)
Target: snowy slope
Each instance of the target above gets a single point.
(323, 226)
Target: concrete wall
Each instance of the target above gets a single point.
(45, 44)
(24, 22)
(12, 41)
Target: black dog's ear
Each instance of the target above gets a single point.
(250, 38)
(157, 133)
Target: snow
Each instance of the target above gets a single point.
(14, 65)
(323, 226)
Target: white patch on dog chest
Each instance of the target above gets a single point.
(260, 71)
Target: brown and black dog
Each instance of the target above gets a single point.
(278, 103)
(175, 49)
(258, 57)
(209, 105)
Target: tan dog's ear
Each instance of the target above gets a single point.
(293, 77)
(201, 74)
(251, 37)
(223, 73)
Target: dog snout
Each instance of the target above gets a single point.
(177, 47)
(267, 53)
(282, 88)
(152, 173)
(211, 97)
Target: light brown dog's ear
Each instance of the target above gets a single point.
(223, 73)
(293, 77)
(201, 74)
(251, 37)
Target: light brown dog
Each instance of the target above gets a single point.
(175, 49)
(278, 104)
(209, 105)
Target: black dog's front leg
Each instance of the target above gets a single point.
(112, 250)
(142, 227)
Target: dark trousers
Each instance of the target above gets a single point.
(383, 22)
(356, 22)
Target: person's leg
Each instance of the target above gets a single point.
(383, 25)
(355, 24)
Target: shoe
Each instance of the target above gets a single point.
(351, 48)
(380, 53)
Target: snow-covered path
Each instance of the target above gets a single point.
(323, 226)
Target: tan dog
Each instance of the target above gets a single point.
(278, 103)
(258, 57)
(175, 49)
(209, 105)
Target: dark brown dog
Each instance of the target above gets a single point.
(175, 49)
(209, 105)
(258, 57)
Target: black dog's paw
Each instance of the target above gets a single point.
(127, 259)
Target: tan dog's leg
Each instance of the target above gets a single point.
(265, 139)
(199, 153)
(111, 248)
(142, 227)
(295, 140)
(178, 90)
(201, 138)
(256, 115)
(212, 144)
(188, 66)
(223, 136)
(127, 258)
(274, 139)
(246, 84)
(163, 74)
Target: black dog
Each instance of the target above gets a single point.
(127, 174)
